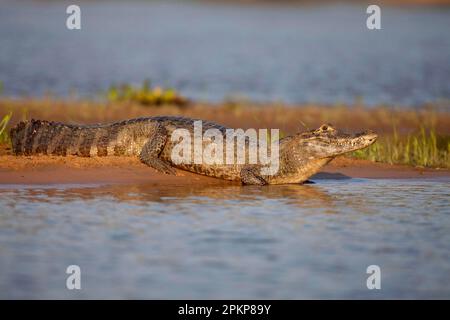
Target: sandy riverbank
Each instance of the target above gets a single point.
(386, 121)
(116, 170)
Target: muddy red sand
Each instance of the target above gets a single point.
(115, 170)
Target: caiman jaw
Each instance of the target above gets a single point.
(358, 141)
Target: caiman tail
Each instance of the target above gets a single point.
(53, 138)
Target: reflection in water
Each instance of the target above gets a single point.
(226, 241)
(292, 194)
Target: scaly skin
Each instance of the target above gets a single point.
(300, 155)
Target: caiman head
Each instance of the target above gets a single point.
(304, 154)
(327, 142)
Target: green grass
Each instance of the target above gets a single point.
(424, 148)
(4, 135)
(145, 95)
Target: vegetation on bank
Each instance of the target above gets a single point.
(424, 148)
(145, 95)
(412, 137)
(4, 134)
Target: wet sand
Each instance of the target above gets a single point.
(128, 170)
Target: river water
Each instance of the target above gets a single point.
(210, 52)
(293, 241)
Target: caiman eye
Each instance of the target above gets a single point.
(324, 128)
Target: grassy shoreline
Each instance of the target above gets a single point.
(416, 137)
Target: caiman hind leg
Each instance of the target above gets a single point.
(250, 175)
(152, 149)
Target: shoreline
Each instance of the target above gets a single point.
(421, 134)
(52, 170)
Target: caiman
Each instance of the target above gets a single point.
(300, 155)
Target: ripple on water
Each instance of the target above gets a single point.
(311, 241)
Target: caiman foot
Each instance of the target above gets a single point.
(159, 165)
(248, 176)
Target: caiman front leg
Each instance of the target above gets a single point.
(250, 175)
(152, 149)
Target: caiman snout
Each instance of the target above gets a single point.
(369, 136)
(359, 141)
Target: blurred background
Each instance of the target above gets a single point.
(292, 65)
(289, 51)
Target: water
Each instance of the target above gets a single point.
(293, 54)
(229, 241)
